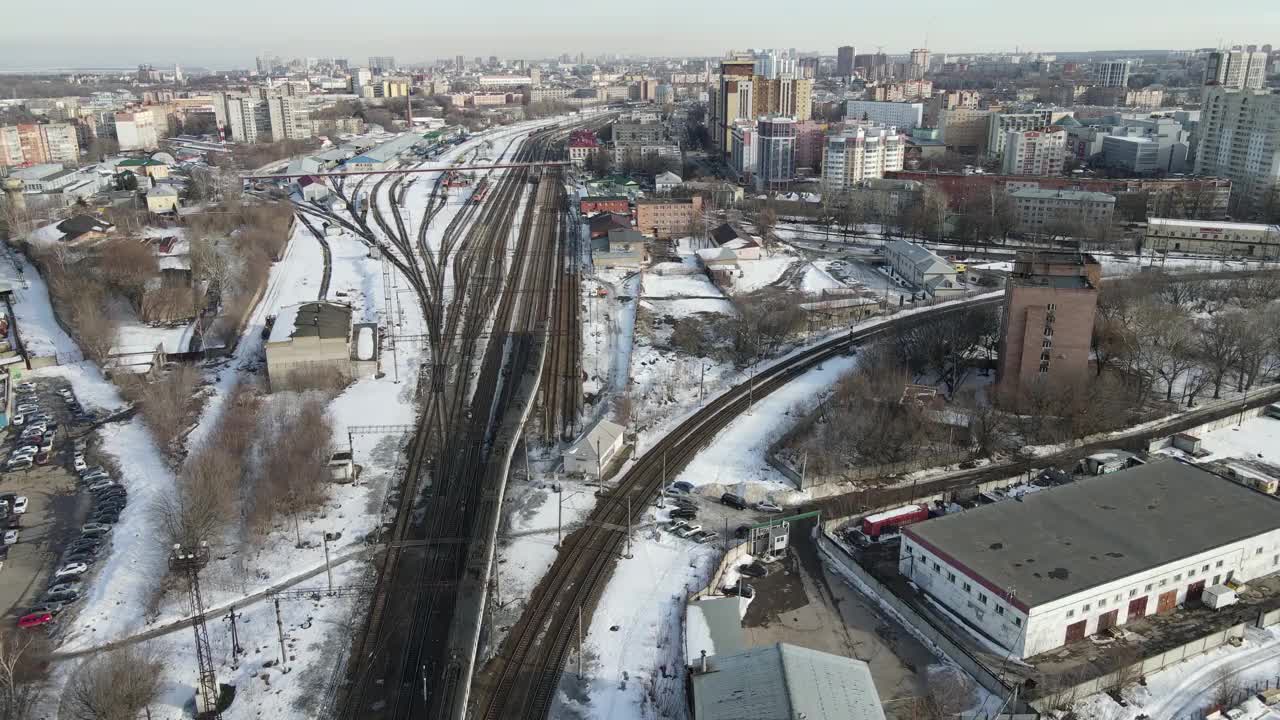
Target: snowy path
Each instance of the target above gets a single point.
(1194, 691)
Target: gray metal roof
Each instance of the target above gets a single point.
(1048, 194)
(784, 682)
(1064, 540)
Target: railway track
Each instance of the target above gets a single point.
(525, 674)
(562, 382)
(405, 666)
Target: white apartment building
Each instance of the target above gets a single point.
(742, 156)
(62, 142)
(1236, 69)
(1240, 140)
(1113, 73)
(137, 131)
(1039, 210)
(860, 153)
(1000, 123)
(1068, 562)
(289, 117)
(896, 114)
(1034, 152)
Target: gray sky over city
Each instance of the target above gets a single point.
(128, 32)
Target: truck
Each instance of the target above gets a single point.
(1217, 597)
(1107, 461)
(873, 526)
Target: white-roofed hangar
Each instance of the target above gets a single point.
(319, 336)
(1054, 567)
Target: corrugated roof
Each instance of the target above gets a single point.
(314, 319)
(784, 682)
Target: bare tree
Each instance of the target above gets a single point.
(117, 685)
(1218, 342)
(1226, 687)
(766, 221)
(20, 660)
(166, 404)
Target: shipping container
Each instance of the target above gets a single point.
(873, 525)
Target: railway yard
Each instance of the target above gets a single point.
(439, 593)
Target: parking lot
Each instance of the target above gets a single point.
(45, 502)
(801, 602)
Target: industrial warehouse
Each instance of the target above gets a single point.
(1054, 567)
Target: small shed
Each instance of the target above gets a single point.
(666, 182)
(593, 452)
(783, 681)
(162, 199)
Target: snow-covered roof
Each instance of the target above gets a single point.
(711, 255)
(668, 178)
(714, 624)
(1210, 225)
(785, 681)
(604, 435)
(163, 191)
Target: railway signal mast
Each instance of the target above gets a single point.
(188, 561)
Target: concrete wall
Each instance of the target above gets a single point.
(933, 636)
(1044, 626)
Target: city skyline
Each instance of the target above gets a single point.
(421, 34)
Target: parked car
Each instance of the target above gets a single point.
(755, 570)
(34, 620)
(742, 531)
(10, 537)
(734, 501)
(91, 529)
(69, 586)
(18, 504)
(26, 387)
(688, 530)
(100, 485)
(684, 514)
(766, 506)
(64, 597)
(683, 486)
(22, 463)
(115, 494)
(80, 464)
(71, 570)
(747, 590)
(53, 608)
(105, 517)
(676, 525)
(83, 543)
(705, 536)
(26, 407)
(18, 420)
(85, 555)
(114, 501)
(673, 492)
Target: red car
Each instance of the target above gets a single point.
(34, 620)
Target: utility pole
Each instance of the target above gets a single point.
(579, 642)
(189, 561)
(231, 618)
(628, 555)
(559, 514)
(702, 383)
(280, 630)
(328, 570)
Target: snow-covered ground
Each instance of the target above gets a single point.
(40, 331)
(1180, 690)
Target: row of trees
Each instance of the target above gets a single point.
(1186, 340)
(266, 459)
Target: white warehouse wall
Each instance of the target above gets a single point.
(1044, 626)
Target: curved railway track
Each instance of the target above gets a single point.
(401, 668)
(526, 672)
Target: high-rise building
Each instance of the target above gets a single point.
(792, 97)
(1236, 69)
(919, 63)
(873, 67)
(1240, 140)
(382, 63)
(243, 118)
(863, 152)
(137, 130)
(1112, 73)
(62, 142)
(897, 114)
(459, 63)
(844, 61)
(1047, 324)
(10, 147)
(289, 117)
(360, 78)
(733, 100)
(1034, 152)
(775, 152)
(1000, 123)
